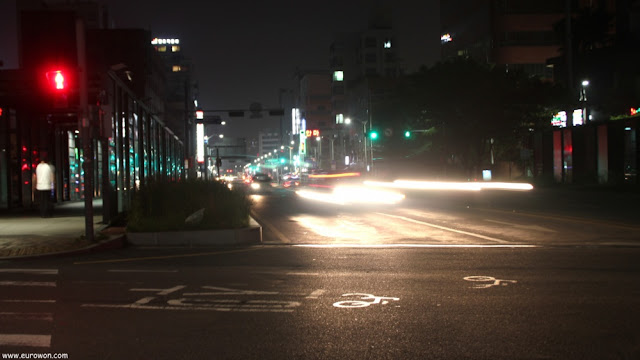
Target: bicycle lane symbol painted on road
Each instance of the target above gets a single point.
(489, 281)
(216, 300)
(360, 303)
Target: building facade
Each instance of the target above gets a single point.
(104, 135)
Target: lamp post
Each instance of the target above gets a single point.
(348, 121)
(583, 99)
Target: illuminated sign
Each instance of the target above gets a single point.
(200, 142)
(634, 111)
(578, 117)
(157, 41)
(559, 119)
(446, 38)
(310, 133)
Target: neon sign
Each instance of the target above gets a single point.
(634, 111)
(310, 133)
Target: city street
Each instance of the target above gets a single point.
(475, 285)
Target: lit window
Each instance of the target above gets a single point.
(176, 68)
(339, 119)
(162, 48)
(175, 48)
(338, 75)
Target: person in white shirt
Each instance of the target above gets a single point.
(45, 183)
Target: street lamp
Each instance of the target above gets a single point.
(364, 140)
(583, 99)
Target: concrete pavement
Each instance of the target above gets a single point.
(23, 233)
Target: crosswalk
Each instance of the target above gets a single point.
(27, 301)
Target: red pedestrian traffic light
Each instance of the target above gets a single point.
(57, 80)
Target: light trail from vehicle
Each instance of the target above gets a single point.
(353, 195)
(449, 185)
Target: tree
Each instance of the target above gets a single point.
(460, 106)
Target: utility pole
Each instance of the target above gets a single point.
(85, 129)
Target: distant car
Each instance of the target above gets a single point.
(260, 183)
(290, 180)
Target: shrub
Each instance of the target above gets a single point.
(164, 206)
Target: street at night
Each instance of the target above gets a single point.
(409, 282)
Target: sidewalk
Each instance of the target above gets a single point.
(25, 234)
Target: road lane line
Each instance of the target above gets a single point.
(163, 257)
(31, 271)
(28, 283)
(141, 271)
(25, 340)
(364, 246)
(303, 274)
(519, 226)
(446, 228)
(26, 316)
(316, 294)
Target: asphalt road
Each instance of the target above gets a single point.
(452, 282)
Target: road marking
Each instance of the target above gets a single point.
(237, 305)
(559, 217)
(303, 274)
(162, 291)
(27, 301)
(26, 316)
(31, 271)
(25, 340)
(142, 271)
(446, 228)
(316, 294)
(164, 257)
(227, 306)
(384, 300)
(491, 281)
(415, 246)
(227, 291)
(28, 283)
(525, 227)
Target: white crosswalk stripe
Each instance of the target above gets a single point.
(26, 295)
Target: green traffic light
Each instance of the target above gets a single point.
(407, 134)
(373, 135)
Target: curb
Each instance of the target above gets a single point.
(244, 236)
(114, 242)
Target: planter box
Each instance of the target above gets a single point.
(249, 235)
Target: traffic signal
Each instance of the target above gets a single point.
(373, 135)
(58, 86)
(407, 134)
(57, 80)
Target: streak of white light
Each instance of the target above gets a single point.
(343, 195)
(506, 186)
(360, 194)
(446, 185)
(320, 196)
(415, 246)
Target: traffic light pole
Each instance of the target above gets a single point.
(83, 124)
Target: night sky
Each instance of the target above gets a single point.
(244, 51)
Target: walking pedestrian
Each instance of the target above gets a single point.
(45, 184)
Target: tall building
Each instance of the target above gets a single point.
(364, 68)
(515, 34)
(181, 93)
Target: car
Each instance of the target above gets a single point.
(261, 183)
